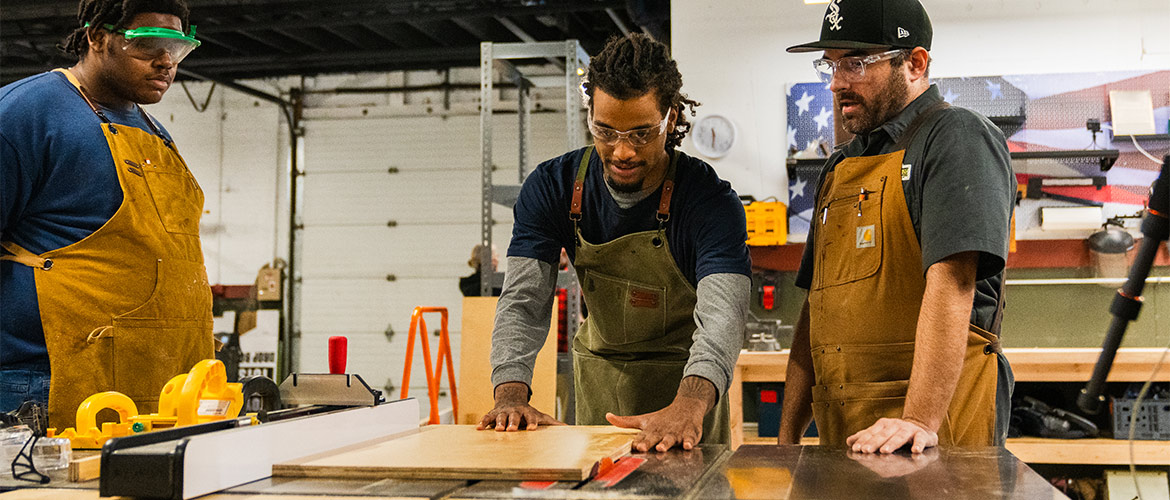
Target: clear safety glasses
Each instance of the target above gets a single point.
(638, 137)
(852, 68)
(149, 42)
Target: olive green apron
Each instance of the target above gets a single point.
(864, 302)
(128, 307)
(629, 355)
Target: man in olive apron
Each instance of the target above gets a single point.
(103, 279)
(897, 343)
(657, 241)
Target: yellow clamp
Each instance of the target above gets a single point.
(199, 396)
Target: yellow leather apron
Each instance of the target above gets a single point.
(866, 294)
(629, 355)
(128, 307)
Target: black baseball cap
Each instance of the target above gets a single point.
(872, 24)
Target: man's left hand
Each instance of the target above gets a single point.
(677, 424)
(888, 434)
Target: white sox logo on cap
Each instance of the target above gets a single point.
(834, 16)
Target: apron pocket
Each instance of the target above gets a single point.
(842, 412)
(849, 237)
(622, 387)
(149, 353)
(180, 291)
(625, 311)
(177, 199)
(858, 363)
(165, 336)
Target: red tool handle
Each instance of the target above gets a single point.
(337, 354)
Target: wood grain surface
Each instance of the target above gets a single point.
(85, 466)
(553, 453)
(475, 371)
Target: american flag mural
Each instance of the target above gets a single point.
(1036, 113)
(810, 123)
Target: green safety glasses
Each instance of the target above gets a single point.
(149, 42)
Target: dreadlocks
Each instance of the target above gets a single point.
(117, 13)
(631, 66)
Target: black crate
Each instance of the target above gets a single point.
(1153, 419)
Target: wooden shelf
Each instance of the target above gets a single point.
(1088, 451)
(1072, 364)
(1029, 364)
(1051, 451)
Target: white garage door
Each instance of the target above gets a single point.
(417, 226)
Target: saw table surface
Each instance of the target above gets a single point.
(708, 472)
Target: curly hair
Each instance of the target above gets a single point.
(117, 13)
(629, 67)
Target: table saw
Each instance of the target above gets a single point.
(236, 463)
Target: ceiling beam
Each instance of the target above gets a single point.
(617, 21)
(330, 18)
(367, 56)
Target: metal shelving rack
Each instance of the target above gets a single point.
(575, 61)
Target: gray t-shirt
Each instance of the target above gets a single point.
(960, 192)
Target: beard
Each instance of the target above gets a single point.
(886, 104)
(628, 187)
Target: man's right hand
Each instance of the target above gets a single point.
(513, 411)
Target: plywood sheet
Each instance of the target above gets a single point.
(475, 371)
(552, 453)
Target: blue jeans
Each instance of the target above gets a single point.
(18, 385)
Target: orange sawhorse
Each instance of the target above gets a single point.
(434, 377)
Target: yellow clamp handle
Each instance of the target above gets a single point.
(207, 378)
(87, 412)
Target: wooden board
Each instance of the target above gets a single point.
(475, 370)
(85, 466)
(552, 453)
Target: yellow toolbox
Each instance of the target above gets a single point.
(767, 223)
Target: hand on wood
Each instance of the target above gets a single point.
(676, 425)
(888, 434)
(512, 411)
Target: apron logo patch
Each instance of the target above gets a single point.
(865, 237)
(643, 298)
(906, 171)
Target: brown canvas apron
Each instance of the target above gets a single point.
(629, 355)
(128, 307)
(864, 303)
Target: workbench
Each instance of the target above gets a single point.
(707, 472)
(1132, 364)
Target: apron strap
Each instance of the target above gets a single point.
(903, 142)
(579, 185)
(667, 191)
(97, 111)
(663, 214)
(578, 191)
(20, 255)
(77, 85)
